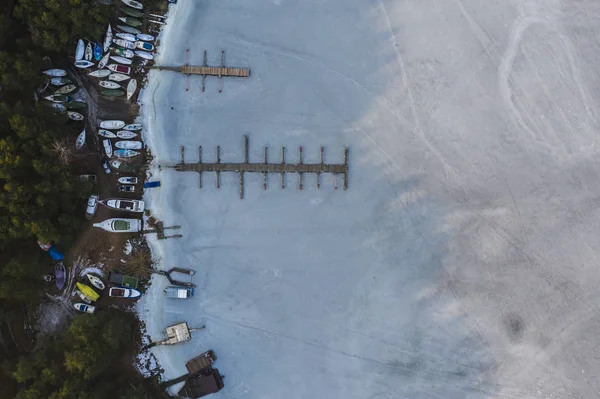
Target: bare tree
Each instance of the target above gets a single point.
(63, 150)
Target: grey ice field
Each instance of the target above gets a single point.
(462, 262)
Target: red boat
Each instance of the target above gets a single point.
(120, 69)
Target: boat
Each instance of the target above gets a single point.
(107, 38)
(82, 296)
(124, 69)
(104, 61)
(76, 104)
(125, 205)
(88, 291)
(129, 145)
(96, 282)
(131, 88)
(60, 81)
(121, 60)
(107, 133)
(107, 148)
(57, 73)
(88, 52)
(118, 77)
(59, 107)
(126, 36)
(133, 4)
(156, 22)
(144, 55)
(129, 29)
(60, 275)
(146, 37)
(79, 50)
(75, 116)
(144, 46)
(133, 127)
(128, 180)
(131, 21)
(124, 43)
(111, 124)
(131, 12)
(97, 52)
(122, 166)
(84, 308)
(100, 73)
(119, 292)
(126, 134)
(123, 52)
(126, 188)
(84, 64)
(107, 84)
(113, 93)
(58, 98)
(80, 140)
(66, 89)
(120, 225)
(126, 153)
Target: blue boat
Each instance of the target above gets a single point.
(97, 52)
(152, 184)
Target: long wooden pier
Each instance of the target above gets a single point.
(282, 168)
(204, 70)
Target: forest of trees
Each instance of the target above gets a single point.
(42, 199)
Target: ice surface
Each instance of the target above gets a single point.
(460, 263)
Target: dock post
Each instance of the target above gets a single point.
(300, 173)
(246, 149)
(282, 167)
(241, 184)
(346, 168)
(218, 161)
(319, 173)
(204, 76)
(265, 174)
(182, 155)
(222, 66)
(200, 162)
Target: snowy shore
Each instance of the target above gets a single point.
(460, 261)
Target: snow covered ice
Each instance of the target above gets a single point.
(462, 260)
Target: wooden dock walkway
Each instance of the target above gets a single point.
(264, 168)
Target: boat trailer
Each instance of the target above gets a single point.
(181, 270)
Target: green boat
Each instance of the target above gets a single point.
(76, 105)
(129, 29)
(113, 93)
(131, 21)
(131, 12)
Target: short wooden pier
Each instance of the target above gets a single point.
(206, 70)
(300, 168)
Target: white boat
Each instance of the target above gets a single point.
(134, 4)
(121, 60)
(156, 22)
(145, 37)
(57, 98)
(104, 61)
(143, 54)
(119, 292)
(82, 296)
(120, 225)
(127, 188)
(133, 127)
(107, 148)
(59, 107)
(89, 52)
(118, 77)
(122, 153)
(128, 180)
(100, 73)
(126, 36)
(144, 46)
(126, 134)
(107, 84)
(124, 43)
(131, 88)
(107, 133)
(80, 140)
(107, 38)
(123, 52)
(66, 89)
(125, 205)
(129, 145)
(55, 72)
(79, 50)
(84, 308)
(84, 64)
(59, 81)
(129, 29)
(75, 116)
(96, 282)
(124, 69)
(111, 124)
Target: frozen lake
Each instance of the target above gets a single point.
(462, 260)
